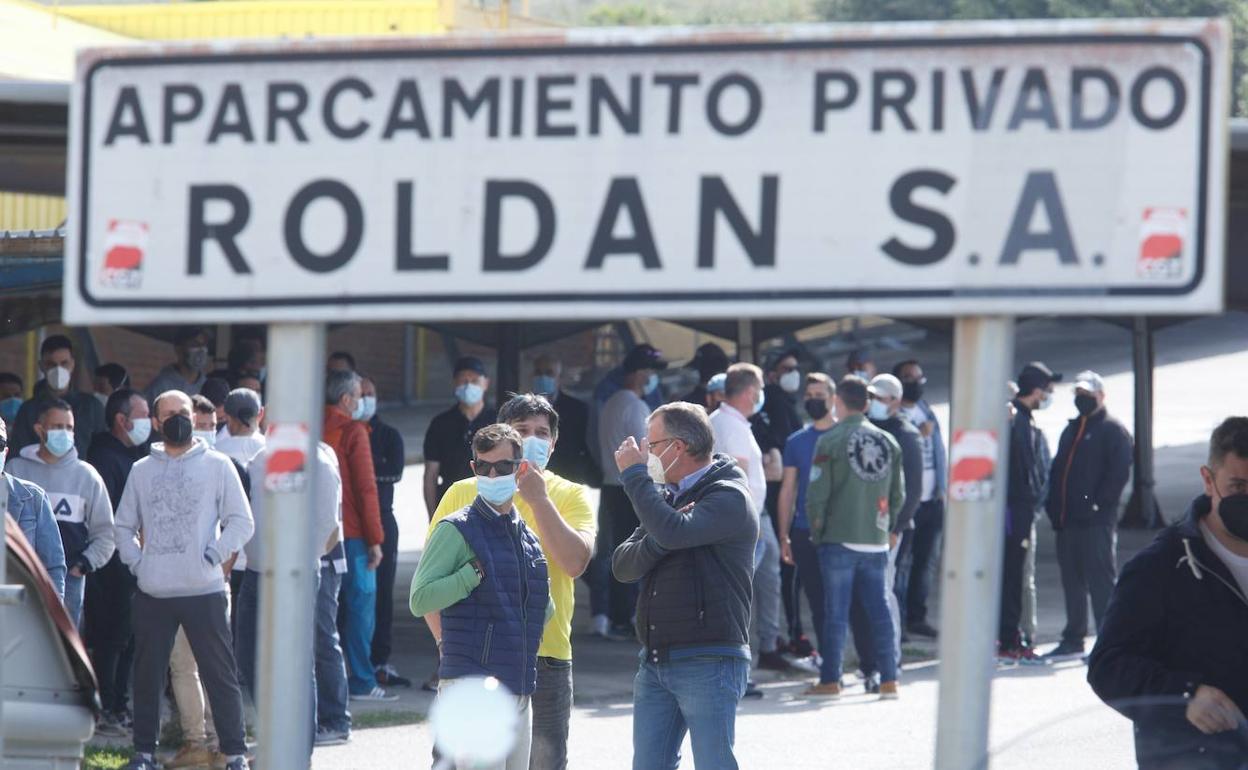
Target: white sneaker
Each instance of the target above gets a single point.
(600, 625)
(377, 694)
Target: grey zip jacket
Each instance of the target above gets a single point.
(177, 505)
(79, 503)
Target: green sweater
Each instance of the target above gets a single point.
(445, 575)
(856, 485)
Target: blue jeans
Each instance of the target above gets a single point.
(74, 589)
(698, 695)
(359, 589)
(331, 671)
(850, 575)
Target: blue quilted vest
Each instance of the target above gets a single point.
(497, 629)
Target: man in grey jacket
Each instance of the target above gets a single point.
(77, 495)
(694, 557)
(177, 497)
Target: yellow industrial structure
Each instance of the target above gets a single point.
(37, 42)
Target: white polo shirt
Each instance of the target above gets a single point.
(733, 437)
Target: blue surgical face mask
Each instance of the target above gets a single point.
(545, 385)
(140, 433)
(209, 437)
(59, 442)
(369, 404)
(469, 394)
(759, 400)
(497, 489)
(537, 451)
(358, 412)
(9, 407)
(652, 383)
(877, 410)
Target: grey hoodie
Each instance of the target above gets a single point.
(79, 503)
(177, 504)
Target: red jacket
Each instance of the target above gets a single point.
(361, 514)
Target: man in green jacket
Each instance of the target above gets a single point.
(856, 492)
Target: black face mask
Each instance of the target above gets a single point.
(177, 430)
(1234, 512)
(911, 391)
(1085, 404)
(816, 408)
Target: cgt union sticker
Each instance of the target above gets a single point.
(1163, 237)
(125, 245)
(285, 465)
(972, 463)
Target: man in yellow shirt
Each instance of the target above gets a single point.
(559, 512)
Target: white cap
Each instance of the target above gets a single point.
(1089, 381)
(885, 385)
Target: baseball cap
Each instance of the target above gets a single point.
(1036, 375)
(643, 356)
(469, 364)
(709, 359)
(718, 383)
(1090, 381)
(243, 404)
(885, 385)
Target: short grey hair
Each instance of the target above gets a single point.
(689, 423)
(740, 377)
(339, 384)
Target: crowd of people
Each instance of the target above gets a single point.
(718, 513)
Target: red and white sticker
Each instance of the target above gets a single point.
(125, 247)
(1163, 234)
(286, 460)
(973, 461)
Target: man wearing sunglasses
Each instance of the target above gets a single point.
(559, 513)
(483, 585)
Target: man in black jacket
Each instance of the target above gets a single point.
(1089, 472)
(388, 461)
(110, 588)
(572, 458)
(1028, 473)
(694, 557)
(1170, 655)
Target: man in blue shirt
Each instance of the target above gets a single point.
(799, 451)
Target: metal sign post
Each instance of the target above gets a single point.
(983, 351)
(284, 658)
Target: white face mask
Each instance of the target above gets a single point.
(1046, 402)
(209, 437)
(656, 468)
(58, 378)
(791, 381)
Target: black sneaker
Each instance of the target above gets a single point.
(871, 684)
(1065, 651)
(801, 647)
(773, 661)
(388, 676)
(140, 762)
(752, 691)
(923, 629)
(622, 632)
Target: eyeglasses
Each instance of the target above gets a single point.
(653, 444)
(500, 467)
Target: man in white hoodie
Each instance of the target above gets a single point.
(76, 493)
(177, 497)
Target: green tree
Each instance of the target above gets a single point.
(944, 10)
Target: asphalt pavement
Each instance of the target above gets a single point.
(1040, 716)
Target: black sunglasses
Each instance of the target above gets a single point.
(500, 467)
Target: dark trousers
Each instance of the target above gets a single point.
(246, 609)
(552, 711)
(622, 523)
(807, 578)
(385, 590)
(921, 553)
(788, 575)
(1088, 565)
(1009, 635)
(206, 623)
(110, 592)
